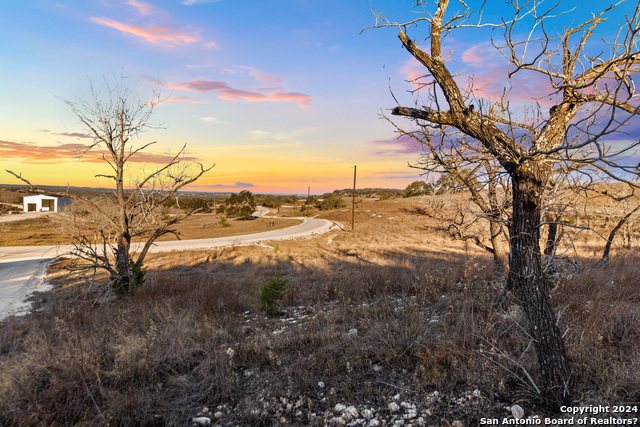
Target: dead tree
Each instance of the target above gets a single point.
(624, 198)
(116, 120)
(482, 177)
(595, 96)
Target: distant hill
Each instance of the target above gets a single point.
(360, 192)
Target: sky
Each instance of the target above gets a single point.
(280, 95)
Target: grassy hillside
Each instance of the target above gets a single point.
(395, 322)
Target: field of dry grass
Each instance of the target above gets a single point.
(395, 319)
(51, 231)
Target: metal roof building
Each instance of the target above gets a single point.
(45, 203)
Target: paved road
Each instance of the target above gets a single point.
(18, 280)
(22, 268)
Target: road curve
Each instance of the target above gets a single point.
(22, 268)
(308, 227)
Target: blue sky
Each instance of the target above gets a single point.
(278, 94)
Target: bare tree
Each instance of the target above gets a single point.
(116, 120)
(625, 199)
(595, 96)
(483, 178)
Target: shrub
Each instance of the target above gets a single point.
(195, 204)
(332, 201)
(241, 205)
(224, 223)
(418, 188)
(123, 288)
(272, 293)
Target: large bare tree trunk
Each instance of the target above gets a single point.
(526, 279)
(123, 281)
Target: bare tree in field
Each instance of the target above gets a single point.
(595, 97)
(116, 120)
(484, 179)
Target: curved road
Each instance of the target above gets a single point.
(22, 268)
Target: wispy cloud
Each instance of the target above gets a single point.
(229, 93)
(194, 2)
(73, 135)
(490, 78)
(68, 134)
(236, 185)
(413, 70)
(213, 120)
(397, 175)
(261, 75)
(400, 146)
(28, 152)
(142, 7)
(158, 35)
(184, 99)
(480, 55)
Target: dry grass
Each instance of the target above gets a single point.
(422, 306)
(49, 231)
(31, 232)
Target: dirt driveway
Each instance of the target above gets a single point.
(23, 216)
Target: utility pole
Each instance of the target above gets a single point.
(353, 204)
(308, 196)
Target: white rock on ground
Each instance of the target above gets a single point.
(350, 413)
(517, 412)
(202, 421)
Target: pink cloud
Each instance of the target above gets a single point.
(399, 146)
(413, 70)
(480, 55)
(29, 152)
(261, 75)
(491, 78)
(70, 134)
(183, 99)
(526, 87)
(142, 7)
(156, 34)
(228, 93)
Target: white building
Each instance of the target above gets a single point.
(45, 203)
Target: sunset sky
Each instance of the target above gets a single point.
(279, 94)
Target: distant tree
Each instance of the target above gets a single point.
(450, 182)
(331, 201)
(272, 201)
(418, 188)
(193, 204)
(386, 195)
(241, 205)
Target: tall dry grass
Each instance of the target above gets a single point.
(394, 307)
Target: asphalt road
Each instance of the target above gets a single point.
(22, 268)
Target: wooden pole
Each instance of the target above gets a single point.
(308, 196)
(353, 204)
